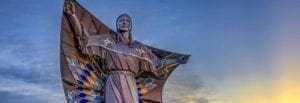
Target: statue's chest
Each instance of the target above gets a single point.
(125, 50)
(121, 51)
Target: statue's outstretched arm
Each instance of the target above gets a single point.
(69, 9)
(166, 62)
(162, 64)
(80, 32)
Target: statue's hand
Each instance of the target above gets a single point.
(183, 59)
(69, 8)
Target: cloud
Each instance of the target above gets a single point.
(36, 92)
(29, 66)
(176, 93)
(29, 73)
(182, 88)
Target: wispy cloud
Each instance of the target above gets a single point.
(35, 91)
(30, 73)
(176, 93)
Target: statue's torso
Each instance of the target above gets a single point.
(123, 63)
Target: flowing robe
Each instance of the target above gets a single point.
(82, 78)
(124, 63)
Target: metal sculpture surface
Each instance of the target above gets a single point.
(99, 65)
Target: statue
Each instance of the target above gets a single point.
(111, 67)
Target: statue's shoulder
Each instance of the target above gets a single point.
(103, 36)
(137, 44)
(140, 45)
(101, 39)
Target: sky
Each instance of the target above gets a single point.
(243, 51)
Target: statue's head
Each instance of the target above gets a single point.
(124, 23)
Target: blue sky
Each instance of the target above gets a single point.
(233, 43)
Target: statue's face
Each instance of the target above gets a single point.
(124, 23)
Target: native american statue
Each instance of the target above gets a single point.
(99, 65)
